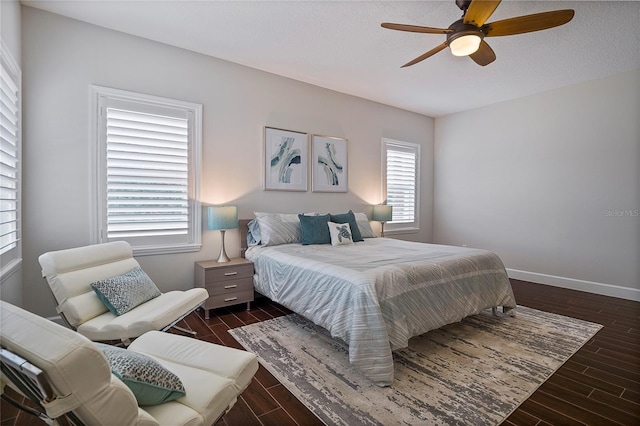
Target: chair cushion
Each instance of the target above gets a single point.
(155, 314)
(150, 382)
(213, 376)
(70, 272)
(235, 364)
(211, 387)
(124, 292)
(74, 365)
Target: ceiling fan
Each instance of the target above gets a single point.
(465, 37)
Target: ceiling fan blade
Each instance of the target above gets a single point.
(484, 55)
(415, 28)
(425, 55)
(528, 23)
(479, 11)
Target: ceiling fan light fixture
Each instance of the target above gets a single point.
(465, 45)
(465, 36)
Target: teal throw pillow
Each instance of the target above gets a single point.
(349, 218)
(124, 292)
(314, 229)
(150, 382)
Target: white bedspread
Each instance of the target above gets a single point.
(376, 294)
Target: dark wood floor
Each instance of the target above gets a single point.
(599, 385)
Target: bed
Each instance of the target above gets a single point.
(377, 293)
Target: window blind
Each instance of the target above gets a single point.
(401, 181)
(147, 151)
(147, 174)
(9, 162)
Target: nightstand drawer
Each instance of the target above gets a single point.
(228, 273)
(231, 286)
(229, 299)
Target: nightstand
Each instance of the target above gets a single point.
(228, 283)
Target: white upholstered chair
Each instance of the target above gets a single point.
(70, 274)
(81, 386)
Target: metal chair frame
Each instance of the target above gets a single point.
(31, 382)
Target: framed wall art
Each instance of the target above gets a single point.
(328, 164)
(285, 160)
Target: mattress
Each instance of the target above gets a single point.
(376, 294)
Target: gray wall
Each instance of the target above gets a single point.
(550, 183)
(11, 285)
(63, 57)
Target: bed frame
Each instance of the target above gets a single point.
(243, 227)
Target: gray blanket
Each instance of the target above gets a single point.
(377, 294)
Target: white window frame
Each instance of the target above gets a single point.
(101, 97)
(392, 227)
(11, 260)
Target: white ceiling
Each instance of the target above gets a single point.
(341, 46)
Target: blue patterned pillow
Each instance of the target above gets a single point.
(150, 382)
(314, 230)
(123, 293)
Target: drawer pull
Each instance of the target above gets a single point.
(230, 299)
(229, 274)
(226, 287)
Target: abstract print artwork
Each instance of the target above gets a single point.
(329, 164)
(285, 159)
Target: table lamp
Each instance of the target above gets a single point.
(382, 213)
(222, 218)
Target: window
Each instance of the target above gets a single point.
(10, 166)
(400, 162)
(148, 157)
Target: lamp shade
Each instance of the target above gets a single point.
(382, 213)
(222, 217)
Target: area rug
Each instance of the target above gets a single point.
(475, 372)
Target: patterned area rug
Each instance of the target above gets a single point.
(475, 372)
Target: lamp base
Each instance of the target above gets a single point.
(223, 254)
(382, 229)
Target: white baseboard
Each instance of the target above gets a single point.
(571, 283)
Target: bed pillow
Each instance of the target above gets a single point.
(124, 292)
(253, 235)
(150, 382)
(314, 230)
(364, 226)
(278, 228)
(349, 218)
(340, 233)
